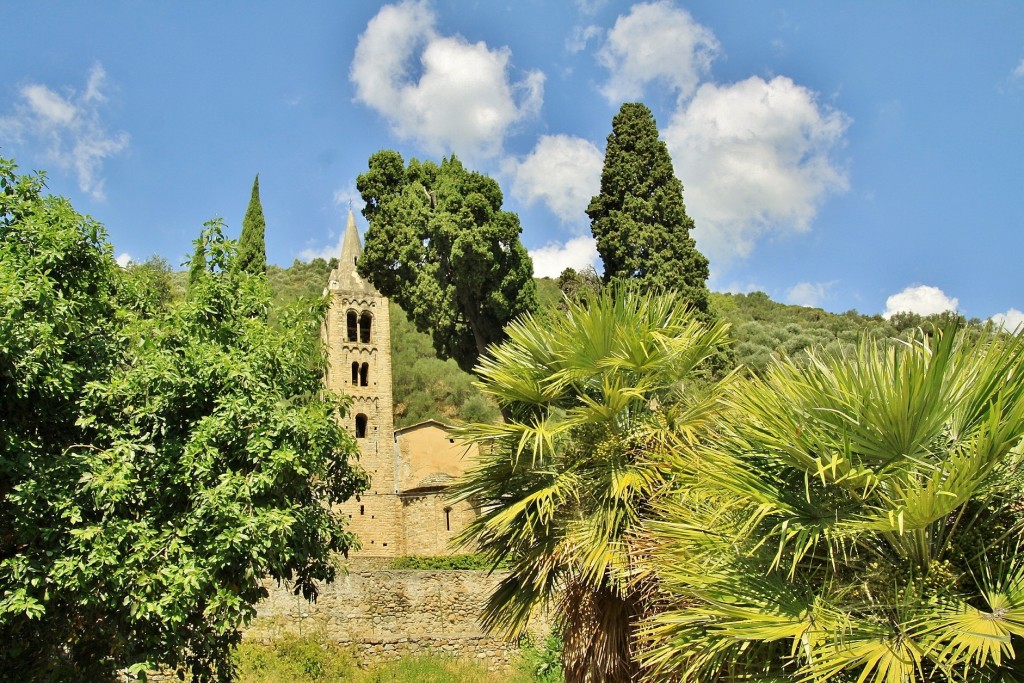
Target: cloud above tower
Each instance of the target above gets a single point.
(756, 157)
(442, 92)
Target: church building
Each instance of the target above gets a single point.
(405, 511)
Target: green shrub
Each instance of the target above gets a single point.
(293, 659)
(543, 663)
(444, 562)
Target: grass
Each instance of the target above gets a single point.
(435, 670)
(312, 659)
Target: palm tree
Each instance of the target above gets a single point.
(857, 518)
(591, 398)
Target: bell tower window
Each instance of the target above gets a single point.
(365, 321)
(351, 320)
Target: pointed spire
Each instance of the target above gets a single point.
(345, 276)
(351, 247)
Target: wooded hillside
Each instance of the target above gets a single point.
(426, 387)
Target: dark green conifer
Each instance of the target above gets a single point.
(252, 246)
(639, 219)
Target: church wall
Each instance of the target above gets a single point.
(377, 520)
(431, 522)
(426, 449)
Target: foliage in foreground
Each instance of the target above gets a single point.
(155, 464)
(855, 518)
(590, 394)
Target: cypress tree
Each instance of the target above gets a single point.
(639, 219)
(252, 246)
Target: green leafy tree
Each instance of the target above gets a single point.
(593, 397)
(855, 518)
(639, 219)
(155, 464)
(426, 387)
(440, 245)
(252, 246)
(57, 335)
(150, 287)
(579, 285)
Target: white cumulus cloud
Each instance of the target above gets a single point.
(1012, 320)
(562, 171)
(443, 92)
(551, 259)
(1019, 71)
(809, 294)
(655, 43)
(920, 299)
(69, 127)
(755, 158)
(123, 259)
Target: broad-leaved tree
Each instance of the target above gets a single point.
(440, 245)
(156, 464)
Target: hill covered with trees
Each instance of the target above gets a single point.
(429, 388)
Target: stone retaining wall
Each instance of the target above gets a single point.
(387, 614)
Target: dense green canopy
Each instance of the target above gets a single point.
(440, 245)
(155, 463)
(639, 219)
(252, 245)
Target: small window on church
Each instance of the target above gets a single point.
(364, 374)
(365, 322)
(355, 374)
(360, 426)
(448, 519)
(351, 326)
(362, 509)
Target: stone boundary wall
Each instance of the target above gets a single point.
(385, 614)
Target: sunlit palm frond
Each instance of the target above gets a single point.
(595, 397)
(832, 527)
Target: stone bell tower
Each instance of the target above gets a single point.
(357, 334)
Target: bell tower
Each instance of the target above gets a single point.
(357, 334)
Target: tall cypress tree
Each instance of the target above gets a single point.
(639, 219)
(252, 245)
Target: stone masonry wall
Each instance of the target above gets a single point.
(387, 614)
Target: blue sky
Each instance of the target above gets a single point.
(842, 154)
